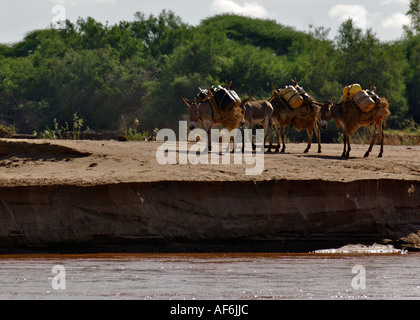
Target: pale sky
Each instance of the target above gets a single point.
(385, 17)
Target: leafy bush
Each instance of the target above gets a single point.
(141, 69)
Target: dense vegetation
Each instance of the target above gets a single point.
(140, 69)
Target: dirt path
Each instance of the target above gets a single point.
(47, 162)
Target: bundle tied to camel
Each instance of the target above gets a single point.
(230, 119)
(355, 116)
(304, 111)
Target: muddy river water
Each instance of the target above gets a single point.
(269, 276)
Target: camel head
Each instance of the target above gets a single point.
(276, 92)
(193, 113)
(325, 114)
(372, 86)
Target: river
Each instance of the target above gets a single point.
(244, 276)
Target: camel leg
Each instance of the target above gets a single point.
(265, 138)
(277, 132)
(282, 129)
(373, 135)
(277, 129)
(235, 142)
(208, 130)
(238, 139)
(209, 141)
(243, 138)
(310, 134)
(267, 131)
(254, 147)
(318, 137)
(381, 132)
(345, 145)
(233, 145)
(270, 142)
(348, 146)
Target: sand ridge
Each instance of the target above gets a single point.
(89, 162)
(105, 195)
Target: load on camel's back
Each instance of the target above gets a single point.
(215, 105)
(294, 107)
(358, 108)
(218, 105)
(224, 104)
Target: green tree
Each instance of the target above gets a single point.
(412, 49)
(363, 59)
(414, 14)
(197, 61)
(160, 35)
(257, 32)
(252, 70)
(142, 68)
(413, 76)
(356, 61)
(314, 67)
(4, 50)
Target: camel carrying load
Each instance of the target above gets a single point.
(363, 106)
(349, 115)
(294, 107)
(225, 104)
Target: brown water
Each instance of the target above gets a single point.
(211, 276)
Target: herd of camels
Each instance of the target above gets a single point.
(205, 111)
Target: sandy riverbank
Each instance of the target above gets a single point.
(46, 162)
(113, 195)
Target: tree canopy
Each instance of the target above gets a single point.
(142, 68)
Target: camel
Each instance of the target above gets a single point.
(257, 112)
(349, 117)
(200, 115)
(304, 117)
